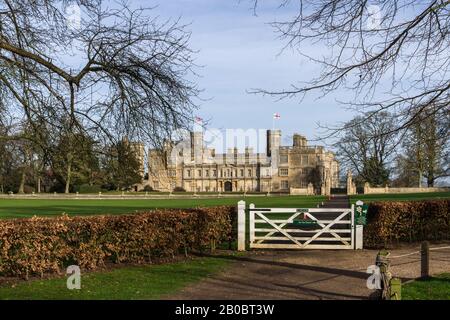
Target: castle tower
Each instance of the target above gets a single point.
(299, 141)
(273, 141)
(196, 146)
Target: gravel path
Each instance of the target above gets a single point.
(307, 274)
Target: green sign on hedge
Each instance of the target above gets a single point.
(361, 213)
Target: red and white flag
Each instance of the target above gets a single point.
(276, 116)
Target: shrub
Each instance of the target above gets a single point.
(86, 188)
(39, 245)
(179, 189)
(148, 188)
(28, 189)
(410, 221)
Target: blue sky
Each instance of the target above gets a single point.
(239, 51)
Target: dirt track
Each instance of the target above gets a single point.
(308, 274)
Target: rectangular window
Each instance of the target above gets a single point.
(242, 172)
(156, 184)
(207, 173)
(214, 173)
(283, 172)
(199, 173)
(304, 160)
(284, 184)
(188, 173)
(249, 172)
(283, 158)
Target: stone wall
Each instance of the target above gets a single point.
(369, 190)
(309, 191)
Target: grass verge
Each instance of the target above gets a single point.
(433, 288)
(124, 283)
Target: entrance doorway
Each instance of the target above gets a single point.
(228, 186)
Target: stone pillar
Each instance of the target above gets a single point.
(326, 186)
(351, 190)
(310, 191)
(366, 188)
(325, 189)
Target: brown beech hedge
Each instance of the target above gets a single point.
(40, 245)
(407, 221)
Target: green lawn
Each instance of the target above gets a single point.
(136, 282)
(19, 208)
(434, 288)
(400, 197)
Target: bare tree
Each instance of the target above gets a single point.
(426, 150)
(129, 78)
(402, 44)
(364, 150)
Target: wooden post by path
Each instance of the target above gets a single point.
(425, 260)
(396, 289)
(383, 262)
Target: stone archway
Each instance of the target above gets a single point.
(228, 186)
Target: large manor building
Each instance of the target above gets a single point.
(197, 168)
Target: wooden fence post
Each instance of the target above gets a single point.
(383, 262)
(357, 229)
(425, 260)
(396, 289)
(241, 225)
(359, 234)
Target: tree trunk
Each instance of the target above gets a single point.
(22, 182)
(69, 175)
(430, 181)
(39, 185)
(420, 178)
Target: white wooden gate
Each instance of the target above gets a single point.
(298, 228)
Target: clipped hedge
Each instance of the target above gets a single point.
(40, 245)
(391, 222)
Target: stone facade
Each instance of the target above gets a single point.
(199, 169)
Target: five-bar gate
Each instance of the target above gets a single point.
(301, 228)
